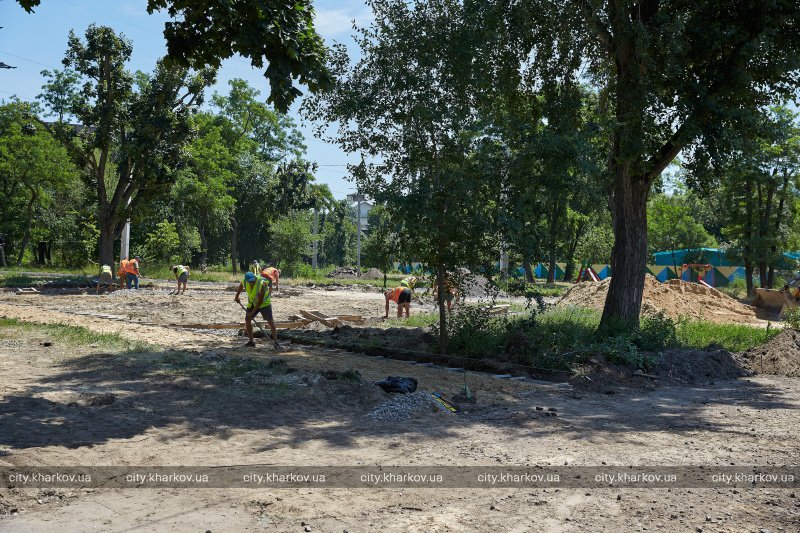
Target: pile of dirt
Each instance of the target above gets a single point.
(780, 356)
(372, 273)
(344, 272)
(698, 366)
(676, 298)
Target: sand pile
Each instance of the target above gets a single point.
(675, 298)
(779, 356)
(343, 272)
(372, 273)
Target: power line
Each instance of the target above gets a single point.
(25, 59)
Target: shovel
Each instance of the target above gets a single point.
(264, 333)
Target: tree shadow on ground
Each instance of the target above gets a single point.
(99, 397)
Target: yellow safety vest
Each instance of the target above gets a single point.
(182, 270)
(106, 269)
(252, 293)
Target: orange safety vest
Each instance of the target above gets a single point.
(132, 267)
(395, 293)
(123, 266)
(271, 273)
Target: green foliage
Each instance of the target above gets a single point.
(733, 337)
(291, 237)
(792, 317)
(671, 226)
(72, 335)
(163, 244)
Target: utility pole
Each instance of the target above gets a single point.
(316, 239)
(358, 198)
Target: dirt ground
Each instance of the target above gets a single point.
(67, 405)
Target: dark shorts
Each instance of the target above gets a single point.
(266, 312)
(405, 297)
(105, 278)
(183, 278)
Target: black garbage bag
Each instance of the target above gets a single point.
(398, 384)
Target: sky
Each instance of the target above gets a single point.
(37, 41)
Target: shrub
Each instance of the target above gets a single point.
(656, 333)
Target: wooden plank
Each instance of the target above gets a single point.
(232, 325)
(350, 318)
(499, 309)
(329, 321)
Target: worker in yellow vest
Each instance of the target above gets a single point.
(106, 278)
(182, 275)
(258, 292)
(402, 297)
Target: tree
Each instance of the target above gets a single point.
(201, 190)
(290, 240)
(671, 227)
(404, 102)
(753, 180)
(280, 32)
(129, 139)
(32, 167)
(381, 246)
(670, 70)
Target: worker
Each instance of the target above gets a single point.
(272, 273)
(132, 272)
(122, 272)
(255, 268)
(258, 292)
(402, 297)
(451, 293)
(409, 282)
(106, 278)
(182, 275)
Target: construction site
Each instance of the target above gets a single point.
(182, 390)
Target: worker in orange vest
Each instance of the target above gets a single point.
(402, 297)
(272, 273)
(132, 272)
(123, 272)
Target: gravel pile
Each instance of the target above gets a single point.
(403, 407)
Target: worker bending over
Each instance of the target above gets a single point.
(106, 278)
(271, 273)
(258, 292)
(409, 282)
(402, 297)
(182, 275)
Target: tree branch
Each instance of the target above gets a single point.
(602, 33)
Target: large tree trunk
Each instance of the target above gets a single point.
(107, 245)
(234, 245)
(526, 265)
(629, 254)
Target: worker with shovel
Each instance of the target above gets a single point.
(182, 275)
(402, 297)
(258, 292)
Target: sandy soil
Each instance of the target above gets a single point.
(676, 299)
(48, 416)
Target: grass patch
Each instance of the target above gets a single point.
(74, 335)
(732, 337)
(420, 320)
(27, 280)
